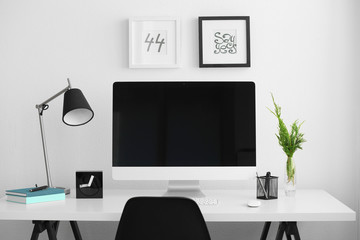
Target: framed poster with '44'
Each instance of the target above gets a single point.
(154, 42)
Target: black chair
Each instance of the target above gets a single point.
(162, 218)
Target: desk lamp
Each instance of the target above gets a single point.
(76, 112)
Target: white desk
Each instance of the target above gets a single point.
(308, 205)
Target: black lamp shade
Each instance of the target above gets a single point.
(77, 110)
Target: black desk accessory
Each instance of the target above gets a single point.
(267, 187)
(89, 184)
(261, 185)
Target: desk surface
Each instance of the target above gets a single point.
(308, 205)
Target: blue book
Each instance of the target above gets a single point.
(25, 192)
(36, 199)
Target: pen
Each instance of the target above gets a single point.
(38, 188)
(262, 186)
(267, 181)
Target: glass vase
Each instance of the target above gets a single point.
(290, 177)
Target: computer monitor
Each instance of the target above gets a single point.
(183, 131)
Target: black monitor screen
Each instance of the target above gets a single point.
(184, 124)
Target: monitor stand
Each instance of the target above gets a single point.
(184, 188)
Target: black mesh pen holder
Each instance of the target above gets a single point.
(267, 187)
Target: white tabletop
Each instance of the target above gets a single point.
(307, 205)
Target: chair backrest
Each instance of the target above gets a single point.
(162, 218)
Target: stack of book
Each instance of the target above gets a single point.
(24, 195)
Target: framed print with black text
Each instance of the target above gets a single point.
(224, 41)
(154, 42)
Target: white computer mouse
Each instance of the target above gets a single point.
(254, 203)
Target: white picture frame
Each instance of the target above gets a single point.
(154, 42)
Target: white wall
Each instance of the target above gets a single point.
(305, 52)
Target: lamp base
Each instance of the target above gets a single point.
(66, 190)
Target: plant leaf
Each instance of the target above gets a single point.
(289, 142)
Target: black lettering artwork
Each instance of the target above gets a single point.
(150, 40)
(225, 43)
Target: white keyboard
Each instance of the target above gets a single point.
(206, 201)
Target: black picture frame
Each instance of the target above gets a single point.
(215, 50)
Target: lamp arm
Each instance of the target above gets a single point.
(43, 140)
(41, 107)
(38, 106)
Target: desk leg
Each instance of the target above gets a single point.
(265, 231)
(281, 230)
(75, 229)
(52, 228)
(39, 227)
(289, 228)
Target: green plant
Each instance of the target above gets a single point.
(289, 141)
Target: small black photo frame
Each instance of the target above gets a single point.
(224, 41)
